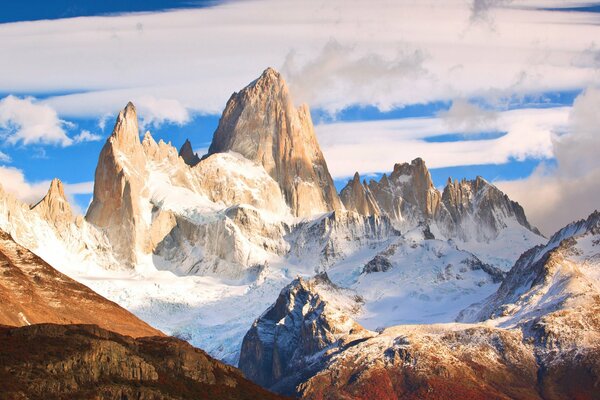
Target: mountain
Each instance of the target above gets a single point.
(84, 361)
(262, 124)
(467, 210)
(200, 249)
(536, 337)
(308, 317)
(55, 207)
(187, 153)
(33, 292)
(357, 196)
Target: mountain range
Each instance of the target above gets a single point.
(391, 288)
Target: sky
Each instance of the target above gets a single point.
(509, 90)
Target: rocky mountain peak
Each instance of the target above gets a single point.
(119, 180)
(187, 153)
(262, 124)
(55, 207)
(408, 193)
(357, 196)
(308, 317)
(125, 134)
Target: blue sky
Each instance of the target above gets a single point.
(484, 91)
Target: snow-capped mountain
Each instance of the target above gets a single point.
(467, 210)
(200, 248)
(537, 336)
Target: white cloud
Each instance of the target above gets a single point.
(465, 117)
(374, 146)
(24, 120)
(340, 75)
(5, 158)
(86, 136)
(13, 181)
(155, 112)
(385, 53)
(556, 195)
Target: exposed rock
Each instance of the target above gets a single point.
(32, 292)
(379, 263)
(55, 207)
(357, 196)
(467, 210)
(262, 124)
(479, 206)
(293, 335)
(408, 194)
(187, 153)
(86, 362)
(118, 185)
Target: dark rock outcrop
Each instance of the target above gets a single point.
(50, 361)
(187, 153)
(379, 263)
(292, 337)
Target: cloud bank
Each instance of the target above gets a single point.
(555, 196)
(382, 53)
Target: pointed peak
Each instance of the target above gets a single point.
(268, 81)
(55, 207)
(356, 177)
(270, 73)
(56, 189)
(418, 161)
(187, 153)
(125, 134)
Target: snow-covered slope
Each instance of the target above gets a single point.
(537, 337)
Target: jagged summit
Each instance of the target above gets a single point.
(187, 153)
(119, 180)
(357, 196)
(125, 134)
(465, 209)
(261, 123)
(55, 207)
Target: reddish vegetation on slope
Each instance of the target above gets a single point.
(32, 292)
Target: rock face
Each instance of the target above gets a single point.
(262, 124)
(357, 196)
(85, 362)
(187, 153)
(55, 207)
(465, 210)
(32, 292)
(432, 361)
(119, 181)
(308, 318)
(408, 193)
(478, 204)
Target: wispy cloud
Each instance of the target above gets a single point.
(86, 136)
(463, 116)
(381, 53)
(374, 146)
(5, 158)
